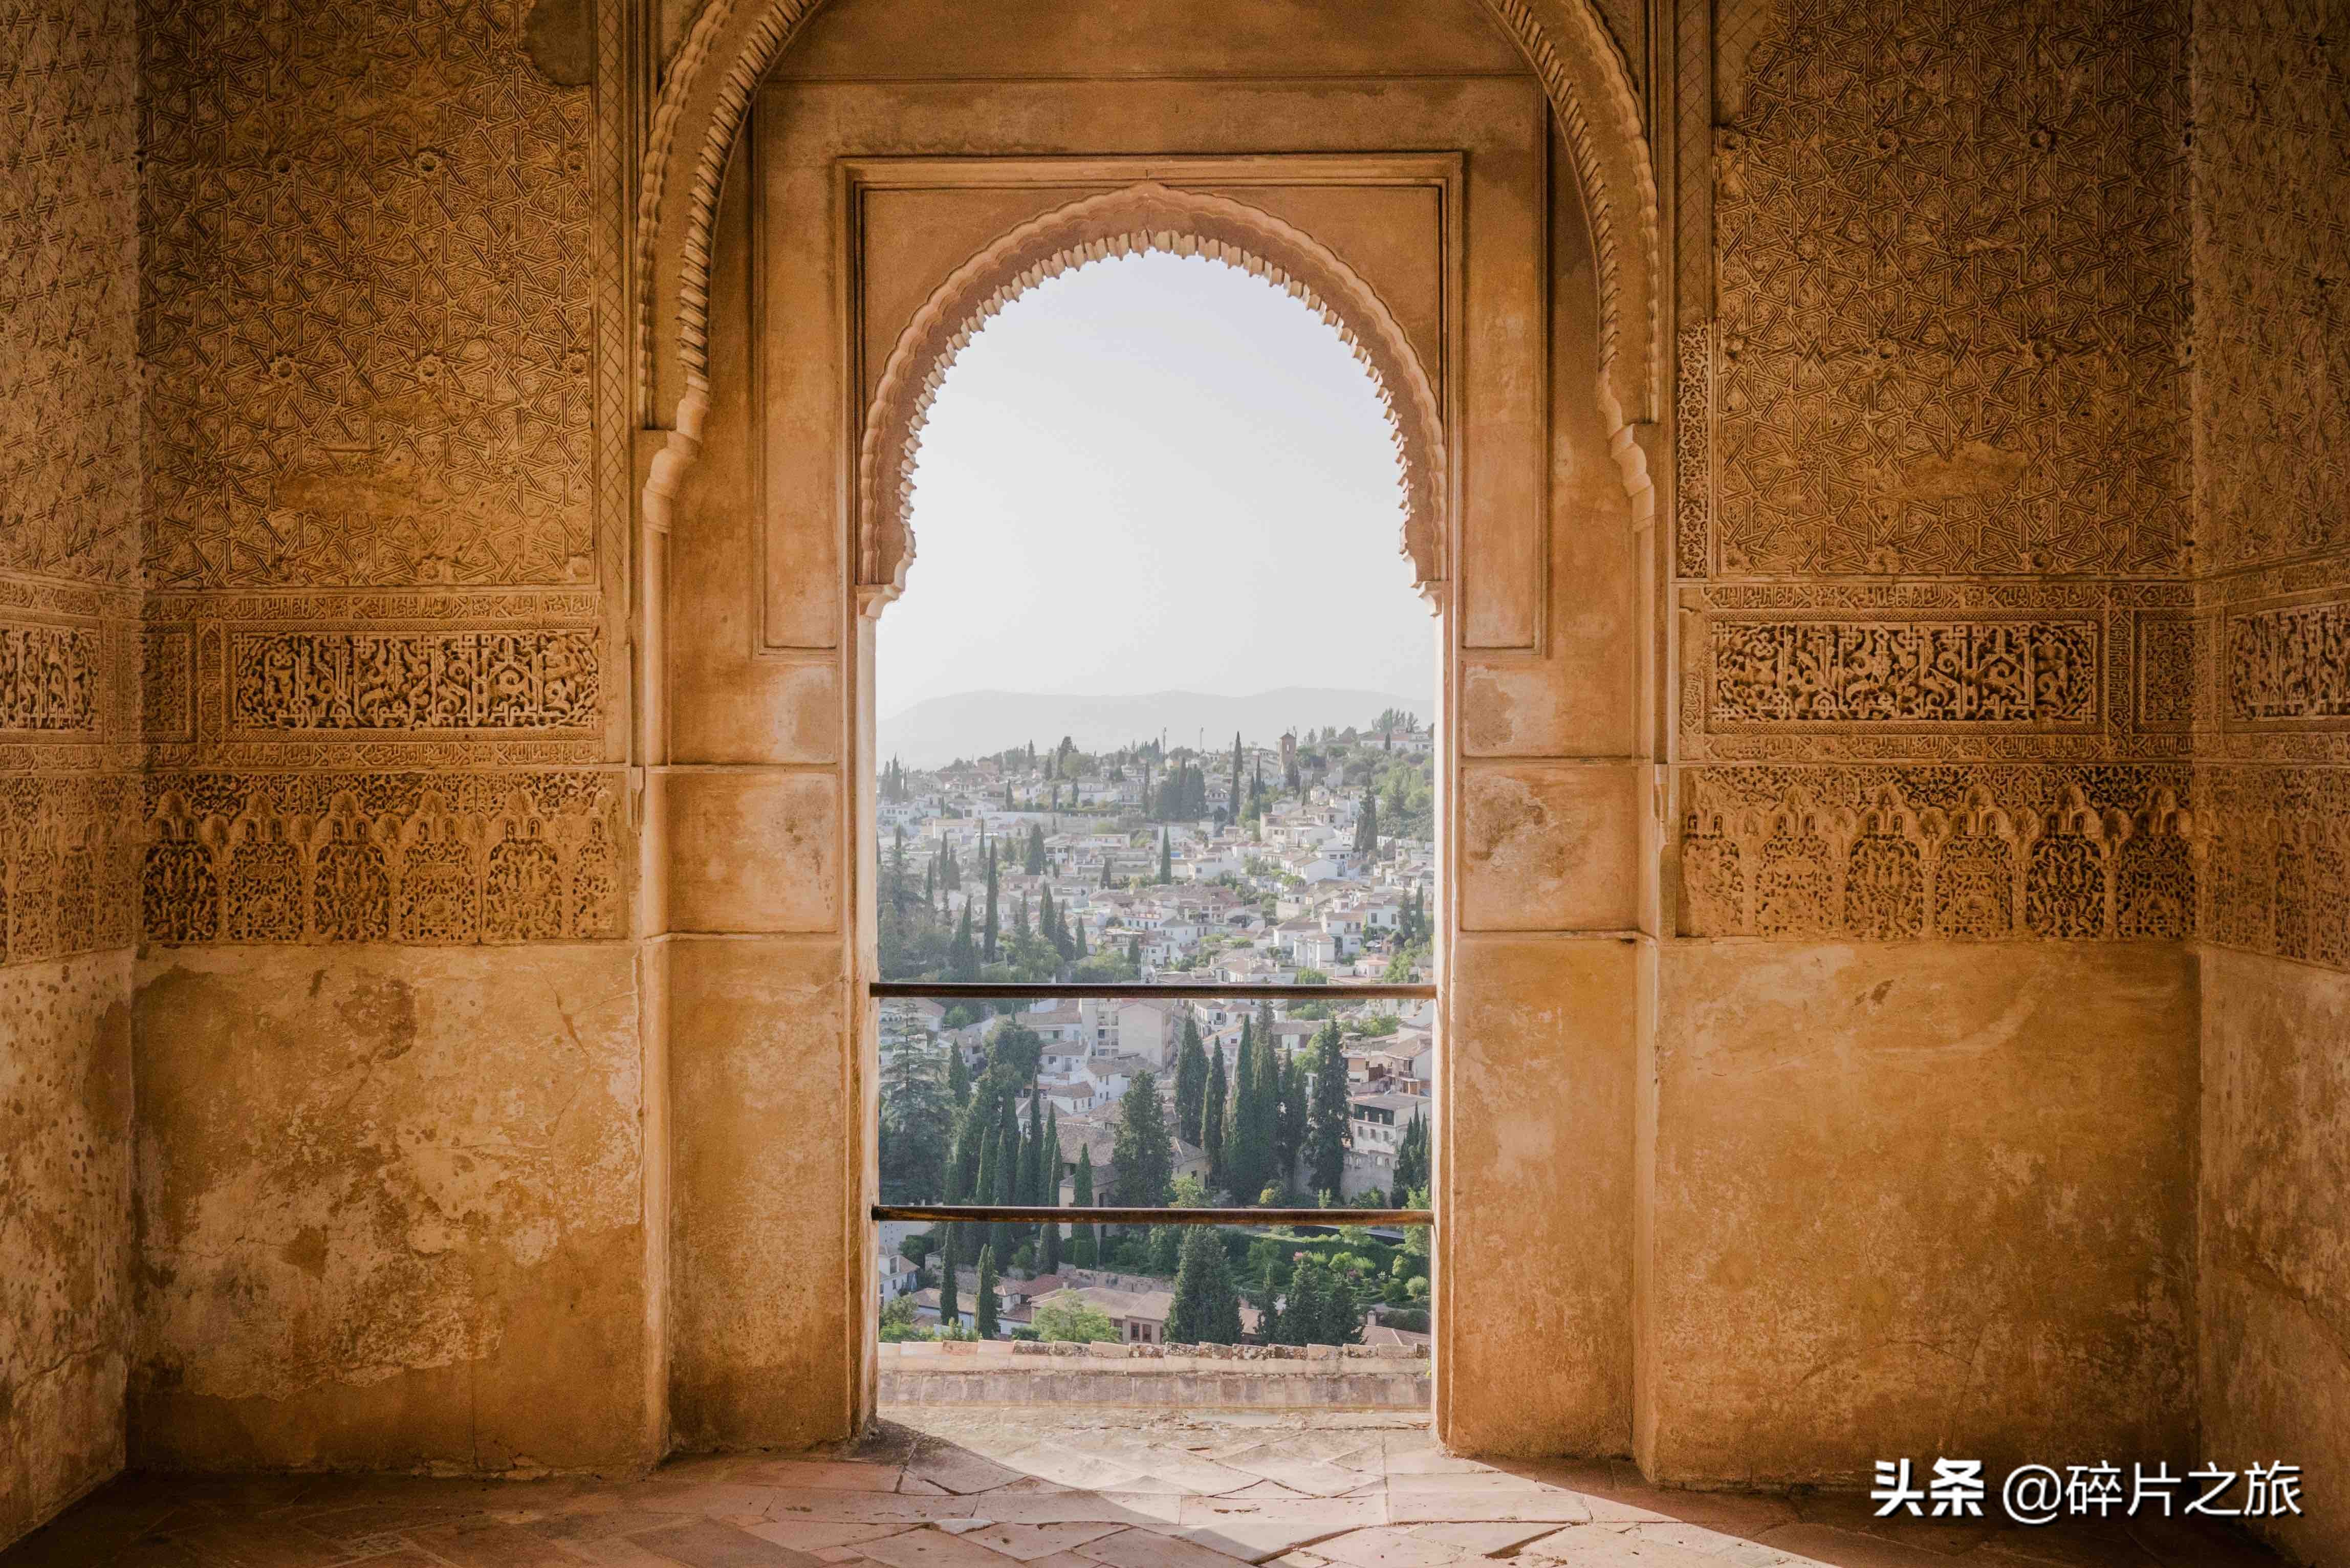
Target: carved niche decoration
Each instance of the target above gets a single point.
(2278, 876)
(403, 858)
(413, 681)
(68, 859)
(1140, 218)
(1982, 854)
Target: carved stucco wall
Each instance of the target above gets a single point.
(387, 479)
(68, 732)
(2271, 430)
(1934, 737)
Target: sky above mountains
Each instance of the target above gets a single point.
(1149, 474)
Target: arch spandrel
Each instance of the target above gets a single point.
(1140, 218)
(705, 102)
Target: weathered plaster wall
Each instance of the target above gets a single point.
(65, 1229)
(392, 1160)
(1920, 1135)
(392, 1212)
(69, 706)
(2271, 428)
(1910, 1202)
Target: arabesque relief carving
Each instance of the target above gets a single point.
(2037, 672)
(376, 363)
(2289, 663)
(521, 679)
(49, 679)
(1982, 854)
(69, 865)
(405, 857)
(2279, 858)
(1949, 324)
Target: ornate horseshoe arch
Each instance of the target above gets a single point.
(1138, 219)
(705, 100)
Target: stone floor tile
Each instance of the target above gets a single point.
(1472, 1507)
(1728, 1551)
(1603, 1546)
(2196, 1543)
(1189, 1472)
(491, 1545)
(1082, 1507)
(1312, 1477)
(1251, 1541)
(1490, 1538)
(831, 1475)
(917, 1486)
(707, 1544)
(1331, 1513)
(365, 1520)
(960, 1470)
(595, 1525)
(1028, 1542)
(1842, 1548)
(1151, 1549)
(1387, 1546)
(863, 1507)
(1432, 1462)
(611, 1551)
(671, 1493)
(1260, 1489)
(1070, 1467)
(1468, 1480)
(812, 1535)
(930, 1549)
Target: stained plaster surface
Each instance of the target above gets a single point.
(65, 1229)
(390, 1210)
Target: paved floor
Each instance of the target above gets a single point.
(1072, 1489)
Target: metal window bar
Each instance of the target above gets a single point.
(1018, 1214)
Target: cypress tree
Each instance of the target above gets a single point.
(1411, 1162)
(1236, 774)
(1081, 1196)
(1003, 1233)
(962, 959)
(991, 1156)
(1206, 1309)
(1264, 1110)
(957, 1076)
(1048, 921)
(1141, 1159)
(1020, 917)
(1166, 858)
(1326, 1132)
(1289, 1142)
(950, 1309)
(983, 1306)
(1302, 1311)
(1244, 1170)
(1031, 1175)
(1191, 1081)
(1212, 1114)
(1105, 882)
(1049, 1261)
(1077, 940)
(1367, 826)
(987, 942)
(1268, 1305)
(1035, 849)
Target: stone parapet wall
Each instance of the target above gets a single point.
(1188, 1377)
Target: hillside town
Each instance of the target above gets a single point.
(1310, 861)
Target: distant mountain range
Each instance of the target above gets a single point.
(932, 733)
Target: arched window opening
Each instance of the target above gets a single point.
(1156, 710)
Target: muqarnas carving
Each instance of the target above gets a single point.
(1890, 854)
(69, 857)
(2278, 876)
(414, 680)
(1920, 672)
(48, 679)
(2290, 663)
(405, 857)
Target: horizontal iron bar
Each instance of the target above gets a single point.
(1030, 1214)
(998, 991)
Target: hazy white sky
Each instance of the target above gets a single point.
(1151, 473)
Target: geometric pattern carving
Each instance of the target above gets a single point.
(1982, 854)
(406, 857)
(167, 673)
(1693, 449)
(2278, 879)
(2289, 663)
(370, 301)
(70, 498)
(49, 679)
(2169, 671)
(2272, 272)
(1950, 315)
(1956, 672)
(413, 682)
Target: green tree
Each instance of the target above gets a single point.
(1328, 1134)
(950, 873)
(991, 1160)
(962, 957)
(1191, 1080)
(1064, 1317)
(1289, 1142)
(1141, 1156)
(1411, 1156)
(1212, 1115)
(1367, 826)
(1048, 1260)
(982, 1309)
(917, 1127)
(1206, 1309)
(1166, 1249)
(1081, 1196)
(1036, 861)
(1247, 1155)
(1003, 1233)
(957, 1075)
(950, 1309)
(1166, 862)
(994, 929)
